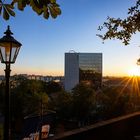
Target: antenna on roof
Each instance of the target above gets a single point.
(72, 51)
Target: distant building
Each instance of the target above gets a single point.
(83, 67)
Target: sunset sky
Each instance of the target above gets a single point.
(44, 42)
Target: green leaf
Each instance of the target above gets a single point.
(36, 7)
(14, 1)
(9, 6)
(52, 12)
(9, 9)
(11, 12)
(20, 5)
(53, 1)
(57, 10)
(5, 14)
(0, 9)
(46, 13)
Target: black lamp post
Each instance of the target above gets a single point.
(9, 48)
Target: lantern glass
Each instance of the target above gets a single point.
(8, 52)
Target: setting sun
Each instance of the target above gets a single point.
(135, 71)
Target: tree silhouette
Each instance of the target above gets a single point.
(122, 29)
(83, 102)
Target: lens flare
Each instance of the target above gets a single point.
(135, 71)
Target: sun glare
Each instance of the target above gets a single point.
(135, 71)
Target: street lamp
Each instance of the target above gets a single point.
(9, 48)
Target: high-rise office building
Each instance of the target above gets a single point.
(83, 67)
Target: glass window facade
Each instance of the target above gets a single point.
(90, 69)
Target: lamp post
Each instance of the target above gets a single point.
(9, 48)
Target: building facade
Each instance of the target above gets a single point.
(83, 67)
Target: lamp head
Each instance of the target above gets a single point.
(9, 47)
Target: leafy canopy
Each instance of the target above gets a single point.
(122, 29)
(41, 7)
